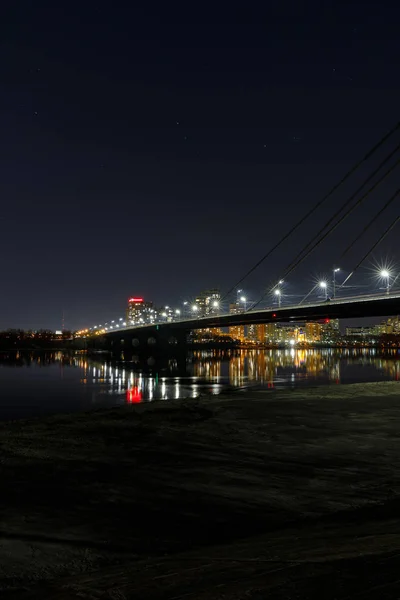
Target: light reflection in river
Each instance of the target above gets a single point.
(48, 382)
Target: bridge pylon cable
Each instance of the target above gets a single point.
(295, 264)
(381, 238)
(349, 200)
(315, 207)
(368, 225)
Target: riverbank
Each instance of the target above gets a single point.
(293, 494)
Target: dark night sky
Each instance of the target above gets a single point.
(161, 152)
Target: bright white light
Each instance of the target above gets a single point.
(242, 299)
(164, 314)
(215, 304)
(280, 282)
(167, 307)
(121, 319)
(124, 324)
(185, 304)
(178, 312)
(336, 270)
(385, 273)
(195, 308)
(322, 284)
(277, 292)
(292, 342)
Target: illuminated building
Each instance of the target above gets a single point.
(359, 332)
(209, 332)
(256, 333)
(313, 332)
(261, 333)
(330, 331)
(236, 331)
(208, 302)
(139, 311)
(271, 332)
(392, 326)
(251, 333)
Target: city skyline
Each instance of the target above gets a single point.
(164, 152)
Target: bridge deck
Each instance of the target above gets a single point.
(352, 307)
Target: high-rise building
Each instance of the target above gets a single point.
(261, 333)
(330, 331)
(271, 332)
(256, 333)
(208, 302)
(139, 312)
(251, 333)
(313, 332)
(237, 332)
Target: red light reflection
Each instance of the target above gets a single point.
(134, 395)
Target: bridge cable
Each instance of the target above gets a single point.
(382, 237)
(315, 207)
(349, 200)
(356, 239)
(292, 266)
(368, 225)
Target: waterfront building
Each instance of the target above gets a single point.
(139, 312)
(359, 332)
(313, 332)
(237, 332)
(271, 333)
(208, 302)
(330, 331)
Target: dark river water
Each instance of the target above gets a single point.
(35, 384)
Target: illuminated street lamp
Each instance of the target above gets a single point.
(178, 312)
(244, 300)
(386, 276)
(279, 296)
(195, 308)
(335, 270)
(324, 286)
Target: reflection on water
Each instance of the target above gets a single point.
(52, 382)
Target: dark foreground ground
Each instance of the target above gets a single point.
(291, 495)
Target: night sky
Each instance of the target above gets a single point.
(158, 152)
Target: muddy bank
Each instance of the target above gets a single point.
(294, 494)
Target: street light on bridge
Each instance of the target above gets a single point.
(335, 270)
(324, 286)
(278, 294)
(195, 308)
(385, 274)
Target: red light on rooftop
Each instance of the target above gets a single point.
(274, 314)
(327, 320)
(135, 300)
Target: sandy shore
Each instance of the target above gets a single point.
(278, 495)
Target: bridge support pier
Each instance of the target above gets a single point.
(147, 341)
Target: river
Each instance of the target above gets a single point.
(34, 384)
